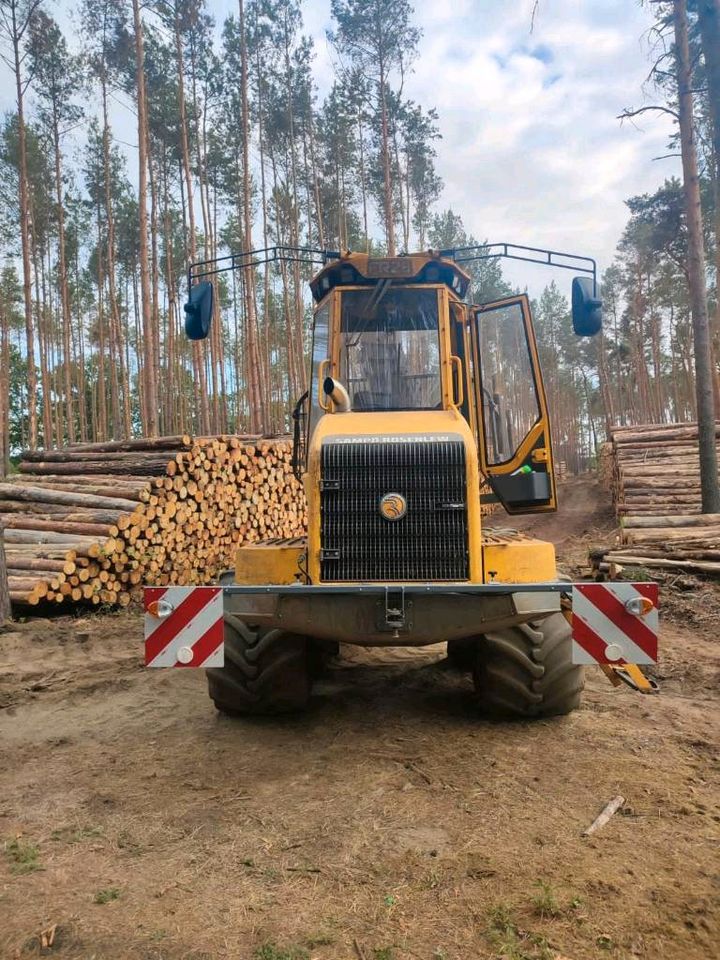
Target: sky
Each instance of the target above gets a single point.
(532, 151)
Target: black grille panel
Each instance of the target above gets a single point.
(428, 543)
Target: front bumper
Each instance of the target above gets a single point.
(604, 631)
(378, 615)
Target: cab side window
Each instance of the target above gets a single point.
(511, 405)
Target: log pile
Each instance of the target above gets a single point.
(655, 482)
(92, 522)
(656, 469)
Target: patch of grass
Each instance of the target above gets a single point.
(319, 939)
(545, 902)
(76, 834)
(431, 880)
(500, 918)
(383, 953)
(511, 942)
(269, 951)
(126, 842)
(107, 895)
(24, 857)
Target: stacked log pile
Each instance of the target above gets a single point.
(92, 522)
(656, 469)
(655, 482)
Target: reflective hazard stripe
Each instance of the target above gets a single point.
(192, 634)
(603, 629)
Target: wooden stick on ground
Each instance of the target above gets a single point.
(610, 808)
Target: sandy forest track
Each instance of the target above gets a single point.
(389, 822)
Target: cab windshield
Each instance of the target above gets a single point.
(390, 348)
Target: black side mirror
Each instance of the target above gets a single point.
(586, 307)
(199, 311)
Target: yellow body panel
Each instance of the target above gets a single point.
(273, 562)
(387, 425)
(505, 559)
(518, 560)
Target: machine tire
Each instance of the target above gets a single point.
(527, 671)
(461, 653)
(267, 671)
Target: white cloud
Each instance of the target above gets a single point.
(532, 150)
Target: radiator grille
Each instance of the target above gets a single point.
(428, 543)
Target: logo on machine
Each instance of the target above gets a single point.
(393, 506)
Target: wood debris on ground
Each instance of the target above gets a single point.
(93, 522)
(653, 473)
(609, 810)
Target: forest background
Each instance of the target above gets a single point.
(138, 137)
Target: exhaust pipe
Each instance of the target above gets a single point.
(338, 394)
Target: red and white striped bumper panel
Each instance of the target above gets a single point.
(189, 630)
(605, 631)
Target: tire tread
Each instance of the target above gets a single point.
(265, 672)
(527, 671)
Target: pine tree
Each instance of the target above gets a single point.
(376, 38)
(16, 17)
(59, 78)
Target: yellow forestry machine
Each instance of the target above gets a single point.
(418, 401)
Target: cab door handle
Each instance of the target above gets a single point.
(456, 363)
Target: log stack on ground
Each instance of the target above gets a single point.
(92, 522)
(656, 469)
(656, 490)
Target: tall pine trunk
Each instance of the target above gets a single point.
(198, 353)
(149, 367)
(696, 268)
(63, 284)
(4, 392)
(118, 370)
(16, 36)
(387, 175)
(709, 21)
(255, 398)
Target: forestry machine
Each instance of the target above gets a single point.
(421, 409)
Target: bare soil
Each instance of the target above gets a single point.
(387, 823)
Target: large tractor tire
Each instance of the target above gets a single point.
(527, 671)
(267, 671)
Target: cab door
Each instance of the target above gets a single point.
(513, 428)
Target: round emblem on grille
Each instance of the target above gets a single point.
(393, 506)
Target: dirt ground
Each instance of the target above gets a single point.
(387, 823)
